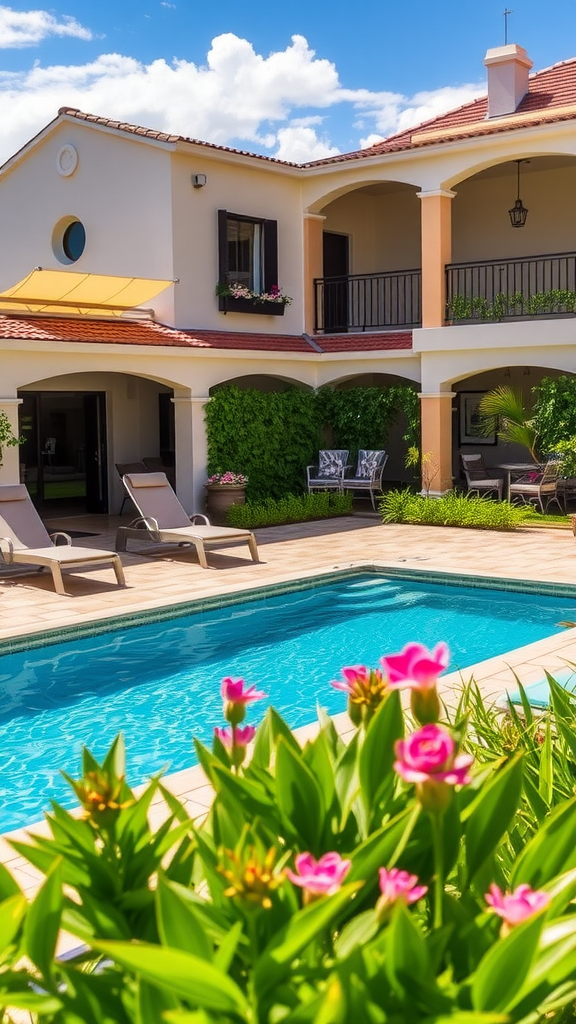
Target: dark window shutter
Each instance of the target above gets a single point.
(270, 254)
(222, 254)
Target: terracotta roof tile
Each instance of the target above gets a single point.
(550, 91)
(118, 332)
(104, 332)
(365, 342)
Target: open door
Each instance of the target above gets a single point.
(335, 252)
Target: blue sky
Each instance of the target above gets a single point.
(300, 80)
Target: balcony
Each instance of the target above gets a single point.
(511, 289)
(368, 302)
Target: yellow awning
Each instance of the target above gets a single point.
(61, 291)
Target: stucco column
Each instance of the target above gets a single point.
(313, 264)
(436, 215)
(10, 468)
(436, 442)
(191, 451)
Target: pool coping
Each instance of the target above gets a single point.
(114, 621)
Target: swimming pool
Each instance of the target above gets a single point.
(159, 683)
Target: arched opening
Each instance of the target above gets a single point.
(501, 272)
(259, 382)
(547, 399)
(371, 260)
(77, 427)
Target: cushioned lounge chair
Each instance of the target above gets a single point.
(328, 475)
(478, 479)
(368, 475)
(164, 521)
(24, 540)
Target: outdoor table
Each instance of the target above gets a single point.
(516, 467)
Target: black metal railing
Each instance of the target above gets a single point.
(491, 290)
(363, 302)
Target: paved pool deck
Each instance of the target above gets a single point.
(29, 605)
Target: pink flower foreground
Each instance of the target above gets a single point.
(515, 907)
(239, 737)
(233, 691)
(399, 885)
(416, 668)
(430, 755)
(321, 877)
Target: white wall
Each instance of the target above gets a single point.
(384, 230)
(120, 191)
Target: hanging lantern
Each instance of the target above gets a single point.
(518, 213)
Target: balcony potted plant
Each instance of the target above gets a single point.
(222, 491)
(237, 298)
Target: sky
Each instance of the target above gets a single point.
(299, 80)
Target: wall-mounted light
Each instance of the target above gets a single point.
(199, 180)
(518, 212)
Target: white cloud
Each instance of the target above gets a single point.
(238, 97)
(28, 28)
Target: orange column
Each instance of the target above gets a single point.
(436, 442)
(436, 253)
(313, 264)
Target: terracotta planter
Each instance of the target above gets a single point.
(219, 498)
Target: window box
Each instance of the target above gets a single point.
(227, 304)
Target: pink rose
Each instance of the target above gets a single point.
(319, 878)
(399, 885)
(515, 907)
(430, 755)
(416, 668)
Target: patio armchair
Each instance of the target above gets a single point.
(328, 475)
(163, 520)
(368, 475)
(24, 540)
(478, 478)
(540, 486)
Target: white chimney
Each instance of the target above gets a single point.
(508, 70)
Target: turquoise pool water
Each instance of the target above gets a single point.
(159, 683)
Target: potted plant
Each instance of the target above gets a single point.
(222, 491)
(237, 298)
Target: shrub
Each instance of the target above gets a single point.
(392, 879)
(291, 509)
(554, 413)
(453, 510)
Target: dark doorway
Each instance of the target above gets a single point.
(64, 459)
(335, 249)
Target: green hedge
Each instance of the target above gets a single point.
(290, 509)
(272, 436)
(453, 510)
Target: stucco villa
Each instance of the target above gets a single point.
(444, 255)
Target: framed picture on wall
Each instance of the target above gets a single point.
(470, 422)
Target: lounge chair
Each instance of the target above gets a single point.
(129, 467)
(478, 479)
(368, 475)
(164, 521)
(328, 475)
(541, 487)
(24, 540)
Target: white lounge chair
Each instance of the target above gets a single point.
(164, 521)
(24, 540)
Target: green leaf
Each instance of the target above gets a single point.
(115, 760)
(34, 1002)
(225, 954)
(489, 815)
(357, 932)
(178, 925)
(551, 851)
(377, 752)
(12, 913)
(504, 968)
(8, 884)
(546, 771)
(383, 847)
(43, 921)
(274, 963)
(299, 796)
(153, 1002)
(188, 976)
(407, 962)
(249, 796)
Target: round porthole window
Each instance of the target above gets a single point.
(68, 240)
(74, 241)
